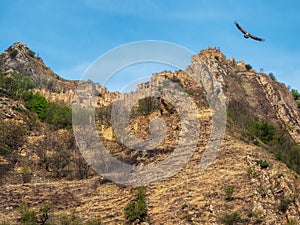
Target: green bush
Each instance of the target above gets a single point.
(28, 218)
(295, 94)
(248, 67)
(137, 208)
(257, 216)
(229, 191)
(59, 115)
(284, 204)
(272, 76)
(262, 163)
(33, 217)
(184, 206)
(260, 130)
(4, 149)
(280, 175)
(26, 174)
(15, 85)
(31, 53)
(102, 115)
(147, 105)
(37, 103)
(231, 218)
(42, 216)
(265, 131)
(286, 150)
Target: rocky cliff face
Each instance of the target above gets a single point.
(266, 99)
(20, 59)
(245, 184)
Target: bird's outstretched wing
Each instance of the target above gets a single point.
(256, 38)
(247, 34)
(240, 28)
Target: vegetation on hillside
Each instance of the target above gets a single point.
(295, 94)
(102, 115)
(260, 132)
(231, 218)
(19, 87)
(15, 85)
(272, 76)
(44, 216)
(12, 136)
(147, 105)
(248, 67)
(136, 210)
(58, 156)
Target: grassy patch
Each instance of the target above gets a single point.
(137, 208)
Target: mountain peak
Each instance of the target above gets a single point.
(210, 53)
(20, 51)
(19, 46)
(20, 59)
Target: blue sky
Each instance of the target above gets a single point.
(70, 35)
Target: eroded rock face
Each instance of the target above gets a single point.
(266, 99)
(20, 59)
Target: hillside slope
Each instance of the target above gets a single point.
(246, 183)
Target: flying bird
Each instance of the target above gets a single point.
(246, 34)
